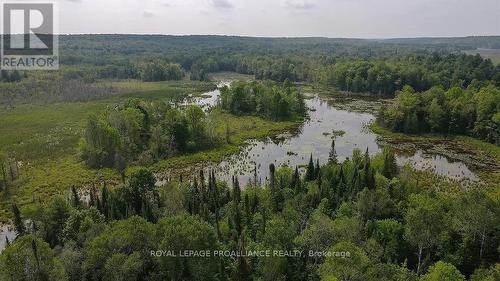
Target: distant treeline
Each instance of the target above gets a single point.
(161, 69)
(375, 66)
(382, 77)
(296, 59)
(377, 73)
(151, 70)
(421, 72)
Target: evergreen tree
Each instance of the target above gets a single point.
(368, 172)
(104, 202)
(75, 197)
(202, 180)
(242, 271)
(40, 275)
(356, 184)
(332, 156)
(92, 196)
(18, 221)
(255, 183)
(214, 200)
(272, 180)
(296, 180)
(11, 171)
(341, 187)
(316, 169)
(236, 190)
(390, 167)
(310, 173)
(248, 211)
(192, 198)
(142, 183)
(236, 207)
(319, 181)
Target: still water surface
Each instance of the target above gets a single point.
(329, 118)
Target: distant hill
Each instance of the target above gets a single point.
(463, 43)
(76, 47)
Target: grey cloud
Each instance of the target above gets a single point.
(330, 18)
(222, 4)
(147, 14)
(300, 4)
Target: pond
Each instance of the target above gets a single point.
(343, 119)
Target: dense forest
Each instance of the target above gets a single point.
(417, 62)
(381, 67)
(419, 72)
(296, 59)
(357, 220)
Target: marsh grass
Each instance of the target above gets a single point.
(44, 140)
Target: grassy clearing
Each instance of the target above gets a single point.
(492, 54)
(33, 133)
(46, 132)
(163, 89)
(224, 75)
(44, 140)
(38, 183)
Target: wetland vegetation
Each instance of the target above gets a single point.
(188, 158)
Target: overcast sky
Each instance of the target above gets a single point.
(326, 18)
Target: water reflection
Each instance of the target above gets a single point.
(208, 99)
(438, 164)
(314, 137)
(346, 121)
(6, 232)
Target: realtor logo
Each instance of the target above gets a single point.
(29, 39)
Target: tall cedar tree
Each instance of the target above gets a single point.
(272, 180)
(332, 156)
(296, 180)
(236, 207)
(18, 221)
(310, 173)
